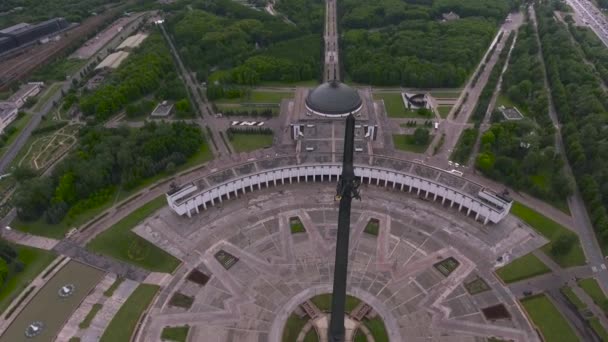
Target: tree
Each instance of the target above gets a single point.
(563, 244)
(421, 136)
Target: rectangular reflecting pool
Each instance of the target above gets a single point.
(51, 306)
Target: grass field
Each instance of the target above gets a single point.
(598, 328)
(444, 111)
(35, 261)
(121, 243)
(87, 320)
(393, 103)
(249, 142)
(572, 297)
(293, 326)
(311, 336)
(124, 322)
(176, 334)
(592, 288)
(551, 230)
(309, 83)
(259, 97)
(323, 302)
(527, 266)
(446, 94)
(46, 94)
(547, 318)
(377, 328)
(405, 142)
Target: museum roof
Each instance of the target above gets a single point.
(333, 98)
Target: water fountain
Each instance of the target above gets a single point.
(66, 290)
(34, 329)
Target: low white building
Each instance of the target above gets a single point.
(25, 91)
(472, 199)
(8, 113)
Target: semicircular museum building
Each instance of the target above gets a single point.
(333, 99)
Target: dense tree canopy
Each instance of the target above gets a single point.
(149, 70)
(581, 105)
(105, 158)
(229, 46)
(522, 153)
(392, 42)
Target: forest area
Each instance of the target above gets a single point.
(148, 75)
(392, 42)
(229, 44)
(581, 105)
(522, 153)
(104, 160)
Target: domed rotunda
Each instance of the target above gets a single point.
(333, 99)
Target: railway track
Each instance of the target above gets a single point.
(21, 66)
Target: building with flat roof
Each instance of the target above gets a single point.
(8, 113)
(25, 91)
(133, 41)
(113, 61)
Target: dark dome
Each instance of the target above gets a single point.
(333, 98)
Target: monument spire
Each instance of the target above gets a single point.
(346, 191)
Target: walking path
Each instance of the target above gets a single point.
(105, 263)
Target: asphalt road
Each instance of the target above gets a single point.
(594, 18)
(220, 148)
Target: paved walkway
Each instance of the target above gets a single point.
(28, 239)
(105, 263)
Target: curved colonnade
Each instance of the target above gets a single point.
(430, 182)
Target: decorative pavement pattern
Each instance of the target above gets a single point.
(260, 272)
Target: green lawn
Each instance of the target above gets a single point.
(323, 302)
(309, 83)
(296, 226)
(35, 261)
(393, 103)
(242, 142)
(121, 243)
(572, 297)
(176, 334)
(405, 142)
(256, 96)
(527, 266)
(551, 230)
(58, 231)
(444, 111)
(293, 326)
(376, 327)
(598, 328)
(46, 94)
(87, 320)
(311, 336)
(446, 94)
(110, 291)
(547, 318)
(592, 288)
(360, 336)
(124, 322)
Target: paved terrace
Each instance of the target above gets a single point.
(274, 270)
(433, 183)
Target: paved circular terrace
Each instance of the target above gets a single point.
(257, 272)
